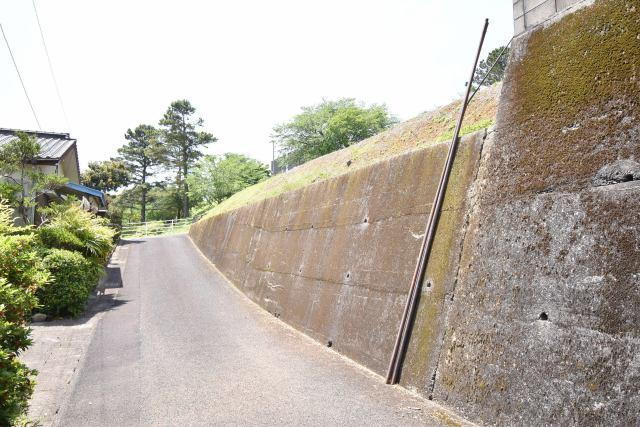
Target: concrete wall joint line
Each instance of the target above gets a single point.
(470, 211)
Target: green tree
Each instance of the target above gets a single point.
(141, 154)
(216, 178)
(163, 202)
(107, 175)
(327, 127)
(17, 166)
(183, 143)
(497, 73)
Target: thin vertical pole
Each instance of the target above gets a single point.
(400, 345)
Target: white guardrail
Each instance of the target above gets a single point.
(156, 228)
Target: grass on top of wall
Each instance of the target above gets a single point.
(426, 129)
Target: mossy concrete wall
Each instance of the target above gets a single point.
(530, 312)
(545, 326)
(335, 259)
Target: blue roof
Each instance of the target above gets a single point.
(87, 190)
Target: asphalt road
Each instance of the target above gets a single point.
(181, 346)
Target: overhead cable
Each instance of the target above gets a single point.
(53, 75)
(35, 116)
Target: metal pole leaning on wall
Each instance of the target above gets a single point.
(395, 365)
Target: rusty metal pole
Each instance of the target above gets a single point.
(400, 345)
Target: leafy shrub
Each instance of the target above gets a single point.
(58, 237)
(74, 277)
(16, 387)
(21, 274)
(20, 264)
(70, 227)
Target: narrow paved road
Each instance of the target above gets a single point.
(181, 346)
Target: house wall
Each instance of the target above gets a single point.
(68, 166)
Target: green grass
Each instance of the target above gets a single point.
(429, 128)
(470, 128)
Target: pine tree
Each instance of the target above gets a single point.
(142, 153)
(183, 143)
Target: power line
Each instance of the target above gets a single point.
(35, 116)
(53, 75)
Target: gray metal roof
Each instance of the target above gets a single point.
(53, 145)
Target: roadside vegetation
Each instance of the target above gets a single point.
(429, 128)
(50, 268)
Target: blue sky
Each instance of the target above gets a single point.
(245, 65)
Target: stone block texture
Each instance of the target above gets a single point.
(545, 326)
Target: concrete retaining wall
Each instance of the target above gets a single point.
(335, 259)
(546, 323)
(530, 310)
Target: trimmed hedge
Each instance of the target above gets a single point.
(73, 279)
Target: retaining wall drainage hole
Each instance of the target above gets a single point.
(348, 275)
(428, 283)
(329, 343)
(366, 220)
(543, 316)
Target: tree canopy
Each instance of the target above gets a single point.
(183, 143)
(327, 127)
(141, 154)
(216, 178)
(108, 175)
(495, 75)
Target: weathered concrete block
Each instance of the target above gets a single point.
(545, 326)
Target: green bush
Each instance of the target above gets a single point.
(21, 275)
(20, 264)
(16, 387)
(70, 227)
(58, 237)
(74, 277)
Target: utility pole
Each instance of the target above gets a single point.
(273, 157)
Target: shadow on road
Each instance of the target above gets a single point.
(96, 304)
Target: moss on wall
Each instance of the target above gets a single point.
(570, 102)
(591, 56)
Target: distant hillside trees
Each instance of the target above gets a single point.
(329, 126)
(216, 178)
(497, 73)
(183, 143)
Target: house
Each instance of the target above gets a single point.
(59, 156)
